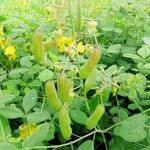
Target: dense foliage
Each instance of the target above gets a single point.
(75, 74)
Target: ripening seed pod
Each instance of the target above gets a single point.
(64, 89)
(95, 117)
(88, 67)
(52, 96)
(90, 81)
(38, 48)
(49, 44)
(64, 122)
(79, 20)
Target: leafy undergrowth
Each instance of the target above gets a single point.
(75, 75)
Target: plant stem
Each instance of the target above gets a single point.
(2, 130)
(62, 145)
(71, 19)
(96, 41)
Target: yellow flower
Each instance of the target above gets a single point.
(10, 52)
(69, 41)
(2, 43)
(27, 130)
(80, 48)
(63, 42)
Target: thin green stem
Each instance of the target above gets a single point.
(71, 18)
(62, 145)
(2, 130)
(104, 139)
(96, 41)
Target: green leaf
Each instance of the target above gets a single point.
(78, 116)
(51, 132)
(3, 77)
(29, 100)
(13, 82)
(38, 117)
(2, 71)
(105, 95)
(4, 99)
(2, 18)
(11, 112)
(133, 56)
(144, 52)
(94, 102)
(25, 62)
(132, 129)
(118, 143)
(36, 138)
(108, 28)
(114, 49)
(7, 146)
(146, 40)
(87, 145)
(16, 73)
(146, 66)
(35, 69)
(46, 75)
(111, 70)
(35, 83)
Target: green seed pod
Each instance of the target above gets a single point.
(38, 48)
(90, 81)
(95, 117)
(64, 89)
(79, 20)
(64, 122)
(49, 44)
(88, 67)
(52, 96)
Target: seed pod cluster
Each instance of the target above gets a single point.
(64, 89)
(89, 66)
(38, 47)
(95, 117)
(64, 122)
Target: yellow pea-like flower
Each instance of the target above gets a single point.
(63, 42)
(80, 48)
(10, 52)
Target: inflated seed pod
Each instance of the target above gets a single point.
(52, 96)
(90, 81)
(88, 67)
(79, 20)
(64, 89)
(38, 47)
(49, 44)
(95, 117)
(64, 122)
